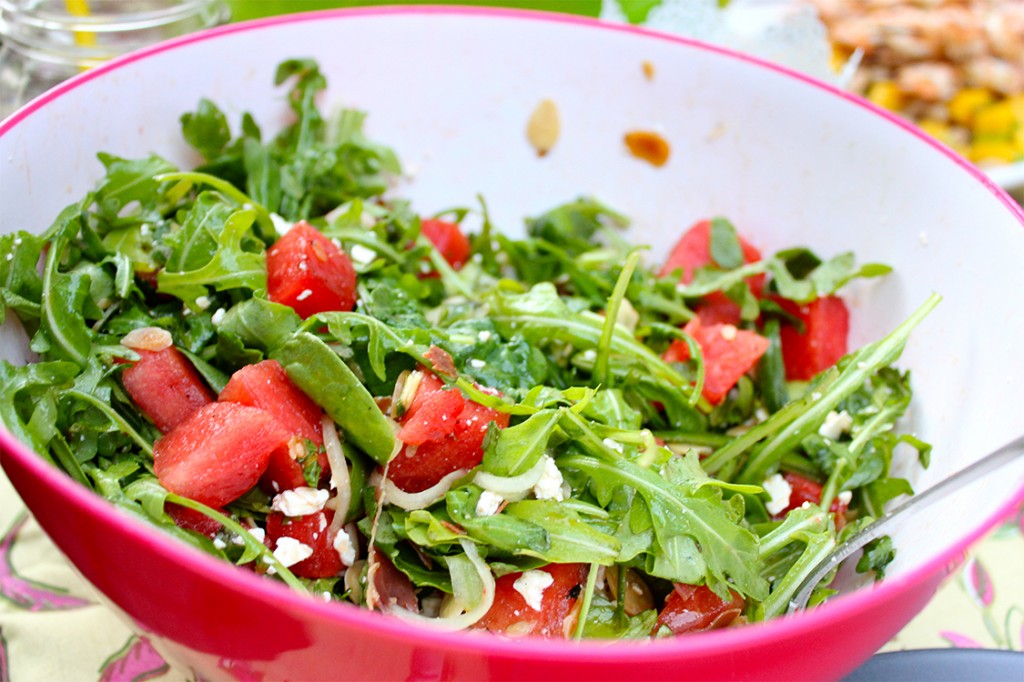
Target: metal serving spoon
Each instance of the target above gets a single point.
(949, 485)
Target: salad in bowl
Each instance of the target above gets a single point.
(275, 358)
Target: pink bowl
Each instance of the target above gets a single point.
(788, 159)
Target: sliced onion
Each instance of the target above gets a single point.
(459, 621)
(340, 479)
(421, 500)
(353, 580)
(510, 485)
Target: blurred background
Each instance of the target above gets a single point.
(955, 68)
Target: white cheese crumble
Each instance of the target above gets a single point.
(779, 490)
(306, 293)
(280, 224)
(344, 547)
(483, 336)
(219, 544)
(549, 486)
(362, 254)
(845, 497)
(488, 503)
(290, 551)
(531, 584)
(728, 332)
(203, 302)
(835, 425)
(258, 533)
(477, 363)
(218, 316)
(300, 501)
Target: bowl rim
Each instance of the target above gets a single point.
(707, 643)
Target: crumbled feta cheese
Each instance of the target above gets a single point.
(845, 497)
(835, 425)
(549, 486)
(219, 544)
(280, 224)
(483, 336)
(202, 302)
(612, 444)
(303, 266)
(344, 547)
(300, 501)
(589, 355)
(779, 490)
(306, 293)
(144, 229)
(531, 584)
(728, 332)
(218, 316)
(362, 254)
(17, 240)
(477, 363)
(258, 533)
(290, 551)
(9, 257)
(488, 503)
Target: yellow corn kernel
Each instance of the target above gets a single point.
(997, 120)
(886, 94)
(964, 103)
(937, 129)
(992, 150)
(1017, 106)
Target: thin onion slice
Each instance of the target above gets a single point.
(459, 621)
(510, 485)
(423, 499)
(340, 479)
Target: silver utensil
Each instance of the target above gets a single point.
(916, 504)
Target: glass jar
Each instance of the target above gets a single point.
(44, 42)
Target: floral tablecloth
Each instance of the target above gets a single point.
(53, 627)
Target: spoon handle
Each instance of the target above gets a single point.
(952, 483)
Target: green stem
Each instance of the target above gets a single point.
(611, 319)
(588, 597)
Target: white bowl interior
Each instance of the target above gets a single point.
(789, 161)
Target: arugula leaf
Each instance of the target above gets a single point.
(206, 129)
(518, 448)
(231, 266)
